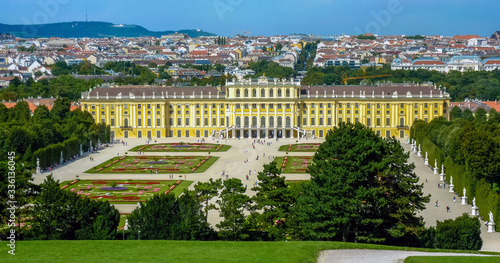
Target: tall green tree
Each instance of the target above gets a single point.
(61, 108)
(41, 114)
(456, 112)
(481, 114)
(275, 198)
(170, 218)
(20, 113)
(205, 191)
(59, 214)
(361, 189)
(232, 204)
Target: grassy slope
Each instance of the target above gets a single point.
(173, 251)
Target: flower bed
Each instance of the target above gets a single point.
(294, 164)
(181, 147)
(125, 191)
(156, 164)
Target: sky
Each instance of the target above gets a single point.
(268, 17)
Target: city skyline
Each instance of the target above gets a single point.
(229, 17)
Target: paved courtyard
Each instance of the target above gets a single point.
(233, 162)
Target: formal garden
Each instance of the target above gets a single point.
(302, 147)
(293, 164)
(120, 191)
(181, 147)
(155, 164)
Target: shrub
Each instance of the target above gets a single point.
(463, 233)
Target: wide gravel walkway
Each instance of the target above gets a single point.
(375, 256)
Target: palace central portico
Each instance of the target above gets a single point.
(261, 108)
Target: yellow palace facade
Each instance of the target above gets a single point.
(261, 108)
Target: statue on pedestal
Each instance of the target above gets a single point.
(491, 216)
(465, 191)
(474, 202)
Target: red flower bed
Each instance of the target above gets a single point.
(64, 187)
(178, 182)
(75, 181)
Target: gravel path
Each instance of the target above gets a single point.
(375, 256)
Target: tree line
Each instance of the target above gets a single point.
(30, 135)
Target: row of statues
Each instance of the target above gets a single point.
(416, 149)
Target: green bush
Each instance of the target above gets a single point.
(463, 233)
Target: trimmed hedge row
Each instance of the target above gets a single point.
(51, 154)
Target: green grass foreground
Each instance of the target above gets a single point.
(453, 259)
(177, 251)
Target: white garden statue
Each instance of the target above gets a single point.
(491, 216)
(465, 191)
(474, 202)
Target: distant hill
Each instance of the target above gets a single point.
(89, 29)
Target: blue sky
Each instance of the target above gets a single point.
(267, 17)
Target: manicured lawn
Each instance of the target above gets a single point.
(454, 259)
(293, 164)
(302, 147)
(155, 164)
(125, 191)
(182, 147)
(175, 251)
